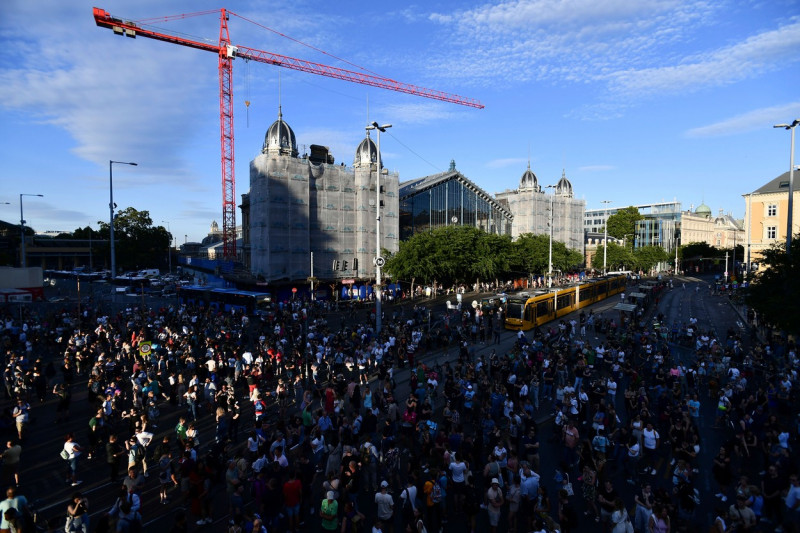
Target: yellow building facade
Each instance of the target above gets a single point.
(766, 216)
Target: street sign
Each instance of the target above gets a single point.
(294, 289)
(348, 281)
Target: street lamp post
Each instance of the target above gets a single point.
(378, 259)
(550, 253)
(111, 206)
(633, 242)
(169, 246)
(605, 236)
(23, 262)
(791, 128)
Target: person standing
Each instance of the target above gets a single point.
(77, 514)
(651, 441)
(292, 497)
(71, 452)
(385, 507)
(113, 453)
(11, 457)
(13, 501)
(21, 416)
(494, 503)
(329, 512)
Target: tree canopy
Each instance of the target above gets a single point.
(139, 244)
(462, 254)
(773, 292)
(623, 222)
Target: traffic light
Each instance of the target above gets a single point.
(344, 265)
(335, 265)
(355, 264)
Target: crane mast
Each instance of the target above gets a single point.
(226, 53)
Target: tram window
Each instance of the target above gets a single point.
(529, 313)
(566, 300)
(543, 308)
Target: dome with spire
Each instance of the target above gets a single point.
(564, 187)
(703, 211)
(280, 138)
(529, 180)
(366, 153)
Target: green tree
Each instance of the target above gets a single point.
(138, 243)
(623, 222)
(414, 261)
(647, 257)
(617, 258)
(698, 250)
(773, 292)
(530, 253)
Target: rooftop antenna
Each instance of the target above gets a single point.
(367, 113)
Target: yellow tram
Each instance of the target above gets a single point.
(525, 311)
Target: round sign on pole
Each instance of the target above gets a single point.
(380, 261)
(294, 289)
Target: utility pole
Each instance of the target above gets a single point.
(605, 237)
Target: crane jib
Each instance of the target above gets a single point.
(226, 54)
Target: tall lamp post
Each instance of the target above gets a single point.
(791, 128)
(379, 261)
(550, 254)
(605, 236)
(23, 262)
(169, 246)
(111, 206)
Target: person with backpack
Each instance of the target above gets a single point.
(433, 502)
(369, 466)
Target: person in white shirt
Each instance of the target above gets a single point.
(651, 440)
(384, 503)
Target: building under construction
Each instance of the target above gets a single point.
(299, 206)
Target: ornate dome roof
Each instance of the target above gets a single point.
(703, 210)
(564, 187)
(280, 138)
(529, 180)
(366, 153)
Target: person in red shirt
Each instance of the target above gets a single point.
(292, 495)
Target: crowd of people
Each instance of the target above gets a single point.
(286, 423)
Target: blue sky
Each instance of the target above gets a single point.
(638, 101)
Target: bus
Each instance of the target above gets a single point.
(227, 300)
(525, 311)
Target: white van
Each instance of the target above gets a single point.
(149, 273)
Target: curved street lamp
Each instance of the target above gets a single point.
(791, 128)
(111, 206)
(23, 261)
(378, 259)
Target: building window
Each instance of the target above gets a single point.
(772, 232)
(772, 210)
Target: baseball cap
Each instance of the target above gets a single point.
(331, 495)
(384, 484)
(494, 481)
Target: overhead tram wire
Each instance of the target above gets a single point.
(438, 169)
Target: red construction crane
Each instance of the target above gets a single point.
(226, 53)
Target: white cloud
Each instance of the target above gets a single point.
(749, 58)
(505, 162)
(628, 50)
(757, 119)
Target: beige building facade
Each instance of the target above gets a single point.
(721, 231)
